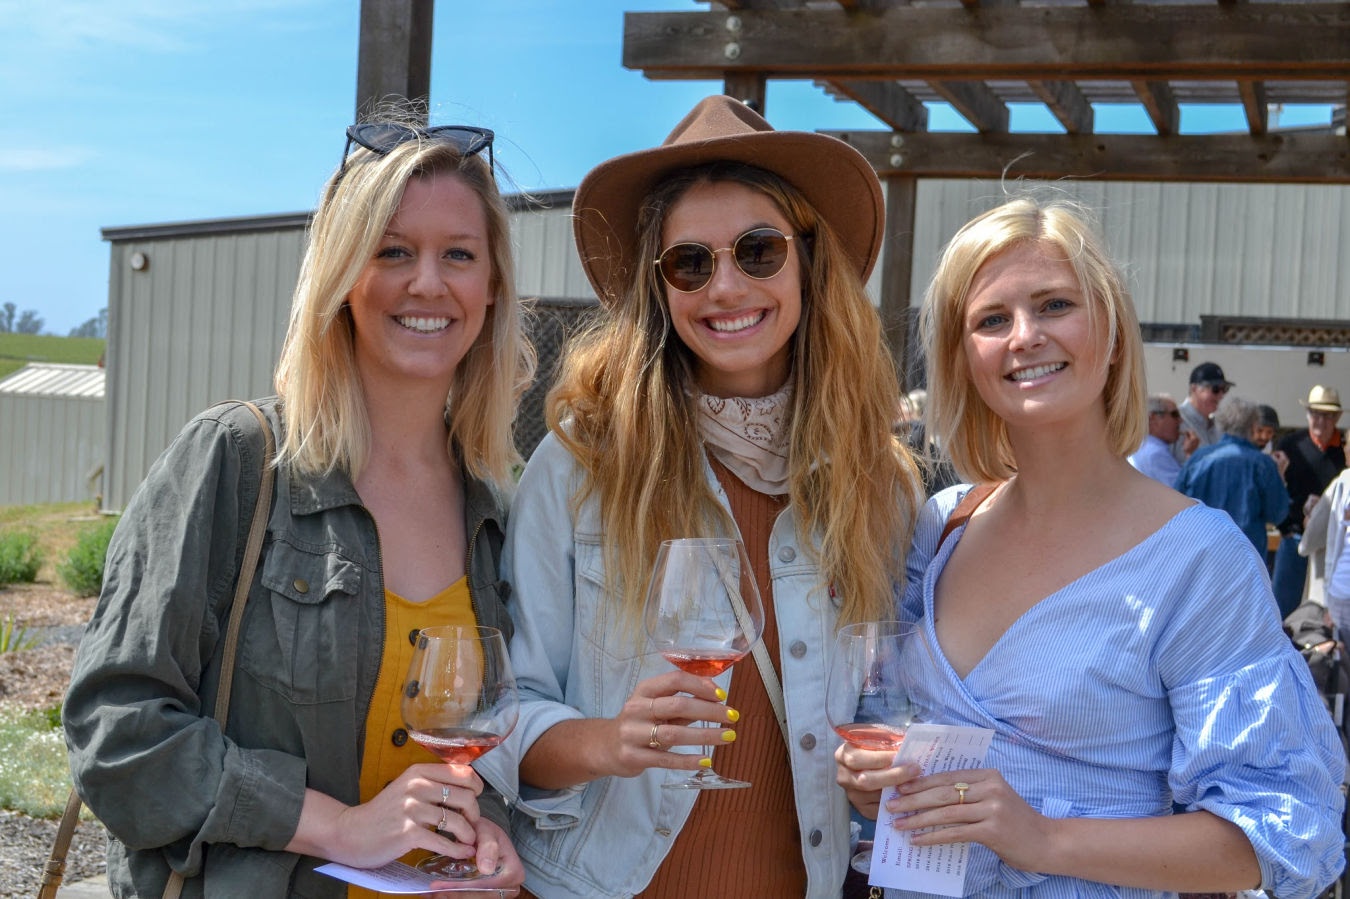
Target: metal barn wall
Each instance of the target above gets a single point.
(201, 322)
(51, 434)
(1188, 249)
(204, 319)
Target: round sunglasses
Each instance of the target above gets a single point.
(759, 253)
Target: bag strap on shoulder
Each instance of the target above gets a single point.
(965, 508)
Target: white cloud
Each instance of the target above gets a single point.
(42, 159)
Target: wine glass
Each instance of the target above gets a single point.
(867, 699)
(459, 702)
(703, 615)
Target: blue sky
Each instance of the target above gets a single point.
(131, 112)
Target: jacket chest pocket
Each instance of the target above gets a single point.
(301, 641)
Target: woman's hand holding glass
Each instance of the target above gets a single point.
(703, 615)
(459, 701)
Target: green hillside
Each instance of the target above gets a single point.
(17, 350)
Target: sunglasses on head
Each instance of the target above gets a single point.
(760, 253)
(381, 138)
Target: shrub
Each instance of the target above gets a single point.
(82, 571)
(20, 557)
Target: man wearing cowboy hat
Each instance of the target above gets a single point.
(1316, 457)
(1208, 386)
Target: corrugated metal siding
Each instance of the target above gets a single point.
(50, 446)
(1188, 249)
(55, 379)
(202, 323)
(547, 264)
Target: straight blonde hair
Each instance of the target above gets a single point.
(327, 425)
(974, 437)
(625, 405)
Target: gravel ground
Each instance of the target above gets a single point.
(36, 679)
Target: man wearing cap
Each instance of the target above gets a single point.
(1316, 457)
(1208, 385)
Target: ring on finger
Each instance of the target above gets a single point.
(445, 820)
(445, 796)
(961, 792)
(652, 741)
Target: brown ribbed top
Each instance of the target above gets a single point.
(747, 839)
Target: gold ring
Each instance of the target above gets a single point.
(652, 741)
(961, 792)
(444, 821)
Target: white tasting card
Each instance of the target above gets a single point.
(937, 869)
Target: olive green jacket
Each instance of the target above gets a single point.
(146, 755)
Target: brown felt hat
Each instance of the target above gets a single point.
(835, 178)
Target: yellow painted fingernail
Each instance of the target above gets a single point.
(728, 736)
(721, 694)
(705, 763)
(733, 716)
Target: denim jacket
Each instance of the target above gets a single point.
(146, 753)
(573, 658)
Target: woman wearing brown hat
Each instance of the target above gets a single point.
(737, 384)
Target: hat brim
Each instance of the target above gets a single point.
(1320, 407)
(834, 178)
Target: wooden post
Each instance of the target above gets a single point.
(748, 87)
(394, 58)
(897, 264)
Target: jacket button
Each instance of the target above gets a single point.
(412, 635)
(787, 554)
(797, 649)
(808, 742)
(399, 737)
(815, 838)
(301, 585)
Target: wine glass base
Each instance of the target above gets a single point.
(706, 782)
(862, 862)
(446, 868)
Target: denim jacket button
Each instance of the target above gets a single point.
(399, 737)
(816, 837)
(797, 649)
(301, 585)
(808, 741)
(787, 554)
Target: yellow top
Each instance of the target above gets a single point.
(388, 749)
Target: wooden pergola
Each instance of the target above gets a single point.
(981, 56)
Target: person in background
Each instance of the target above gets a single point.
(396, 390)
(1154, 456)
(1235, 476)
(1186, 691)
(1207, 387)
(1267, 426)
(737, 384)
(1316, 456)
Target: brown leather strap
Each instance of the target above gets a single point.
(965, 508)
(55, 869)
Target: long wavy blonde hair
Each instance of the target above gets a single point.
(974, 437)
(327, 424)
(625, 405)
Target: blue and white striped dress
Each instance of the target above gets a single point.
(1161, 676)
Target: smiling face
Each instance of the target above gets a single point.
(739, 328)
(1034, 354)
(420, 303)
